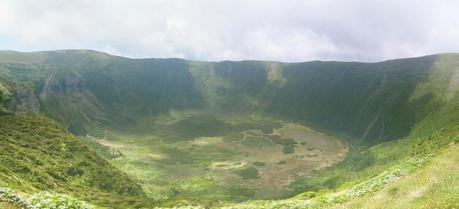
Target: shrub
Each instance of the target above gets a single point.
(248, 173)
(12, 197)
(258, 163)
(47, 200)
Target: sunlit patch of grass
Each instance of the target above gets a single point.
(433, 186)
(227, 165)
(207, 140)
(6, 205)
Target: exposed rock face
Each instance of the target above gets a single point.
(4, 91)
(66, 84)
(4, 95)
(27, 101)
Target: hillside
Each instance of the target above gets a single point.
(218, 133)
(372, 101)
(36, 154)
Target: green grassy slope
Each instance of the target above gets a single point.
(37, 154)
(433, 186)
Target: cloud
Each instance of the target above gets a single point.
(286, 30)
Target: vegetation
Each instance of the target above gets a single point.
(258, 163)
(204, 169)
(418, 180)
(43, 200)
(248, 173)
(171, 132)
(38, 154)
(288, 144)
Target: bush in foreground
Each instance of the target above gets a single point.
(55, 201)
(42, 200)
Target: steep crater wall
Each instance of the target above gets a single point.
(372, 101)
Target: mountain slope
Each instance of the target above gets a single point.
(434, 186)
(37, 154)
(372, 101)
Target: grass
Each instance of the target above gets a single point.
(6, 205)
(433, 186)
(391, 113)
(418, 180)
(38, 154)
(380, 172)
(198, 126)
(207, 168)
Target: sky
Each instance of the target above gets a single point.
(213, 30)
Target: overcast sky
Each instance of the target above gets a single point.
(285, 30)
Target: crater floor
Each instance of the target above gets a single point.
(193, 155)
